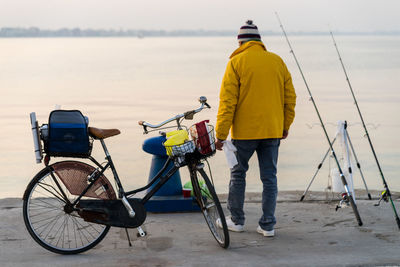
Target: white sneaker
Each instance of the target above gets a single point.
(231, 225)
(265, 233)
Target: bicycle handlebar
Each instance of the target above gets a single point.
(187, 115)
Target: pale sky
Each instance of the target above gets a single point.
(296, 15)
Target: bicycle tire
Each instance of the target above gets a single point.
(210, 206)
(355, 210)
(45, 214)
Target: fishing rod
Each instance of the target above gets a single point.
(386, 195)
(348, 196)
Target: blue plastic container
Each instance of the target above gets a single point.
(169, 197)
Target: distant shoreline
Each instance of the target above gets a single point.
(34, 32)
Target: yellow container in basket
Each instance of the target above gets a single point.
(175, 138)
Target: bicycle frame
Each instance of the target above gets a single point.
(162, 179)
(159, 177)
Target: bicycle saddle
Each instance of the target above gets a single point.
(97, 133)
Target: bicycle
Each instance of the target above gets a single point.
(70, 206)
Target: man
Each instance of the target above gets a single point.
(257, 101)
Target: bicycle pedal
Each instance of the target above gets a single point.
(141, 233)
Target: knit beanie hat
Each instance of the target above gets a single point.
(249, 32)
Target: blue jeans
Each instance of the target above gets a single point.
(267, 153)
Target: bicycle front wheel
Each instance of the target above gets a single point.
(210, 207)
(49, 216)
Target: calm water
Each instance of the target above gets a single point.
(117, 82)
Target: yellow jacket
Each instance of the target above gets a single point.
(257, 97)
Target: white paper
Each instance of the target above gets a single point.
(230, 150)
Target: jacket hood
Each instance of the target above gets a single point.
(247, 45)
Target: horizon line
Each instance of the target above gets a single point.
(90, 32)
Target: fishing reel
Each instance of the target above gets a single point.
(384, 197)
(344, 202)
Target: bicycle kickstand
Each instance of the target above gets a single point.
(127, 235)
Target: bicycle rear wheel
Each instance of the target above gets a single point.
(210, 206)
(50, 218)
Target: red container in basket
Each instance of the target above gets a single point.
(203, 137)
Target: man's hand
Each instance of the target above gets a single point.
(285, 134)
(219, 144)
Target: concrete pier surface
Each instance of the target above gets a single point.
(308, 233)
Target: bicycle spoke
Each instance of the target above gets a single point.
(38, 214)
(76, 227)
(49, 205)
(54, 238)
(56, 196)
(61, 232)
(55, 222)
(47, 224)
(73, 224)
(42, 207)
(83, 228)
(91, 226)
(69, 245)
(45, 219)
(210, 206)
